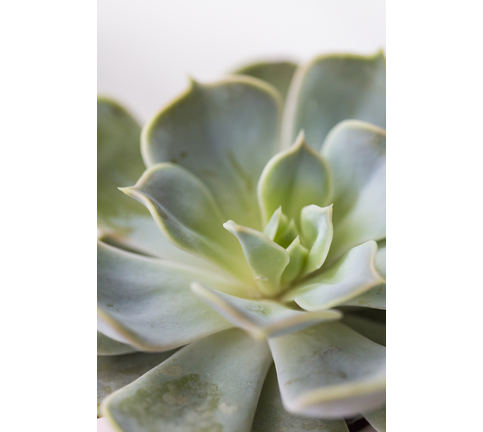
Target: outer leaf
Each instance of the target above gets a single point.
(215, 131)
(377, 419)
(356, 152)
(115, 372)
(262, 318)
(186, 212)
(148, 304)
(278, 74)
(212, 385)
(317, 232)
(329, 371)
(353, 274)
(109, 347)
(266, 258)
(293, 179)
(271, 416)
(334, 88)
(119, 163)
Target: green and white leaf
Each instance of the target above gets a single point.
(353, 274)
(224, 133)
(266, 258)
(317, 233)
(278, 74)
(333, 88)
(115, 372)
(147, 303)
(293, 179)
(185, 211)
(329, 371)
(356, 152)
(262, 318)
(271, 415)
(298, 257)
(212, 385)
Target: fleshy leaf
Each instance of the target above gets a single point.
(119, 163)
(334, 88)
(262, 318)
(187, 214)
(266, 258)
(329, 371)
(278, 74)
(373, 330)
(293, 179)
(356, 152)
(317, 232)
(298, 256)
(115, 372)
(211, 385)
(377, 418)
(109, 347)
(381, 261)
(271, 416)
(276, 225)
(147, 303)
(215, 131)
(374, 298)
(353, 274)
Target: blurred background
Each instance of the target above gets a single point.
(147, 48)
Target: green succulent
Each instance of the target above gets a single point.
(241, 270)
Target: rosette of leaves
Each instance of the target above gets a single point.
(241, 265)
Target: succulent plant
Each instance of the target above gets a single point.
(241, 266)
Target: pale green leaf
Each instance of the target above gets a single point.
(266, 258)
(293, 179)
(224, 133)
(278, 74)
(187, 214)
(109, 347)
(317, 232)
(329, 371)
(353, 274)
(373, 298)
(212, 385)
(333, 88)
(115, 372)
(377, 418)
(262, 318)
(298, 257)
(276, 225)
(147, 303)
(272, 417)
(356, 152)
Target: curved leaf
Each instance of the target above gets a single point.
(293, 179)
(148, 303)
(298, 257)
(262, 318)
(329, 371)
(271, 416)
(187, 214)
(356, 152)
(278, 74)
(115, 372)
(353, 274)
(109, 347)
(212, 385)
(266, 258)
(317, 232)
(334, 88)
(215, 131)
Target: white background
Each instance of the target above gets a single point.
(48, 179)
(147, 48)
